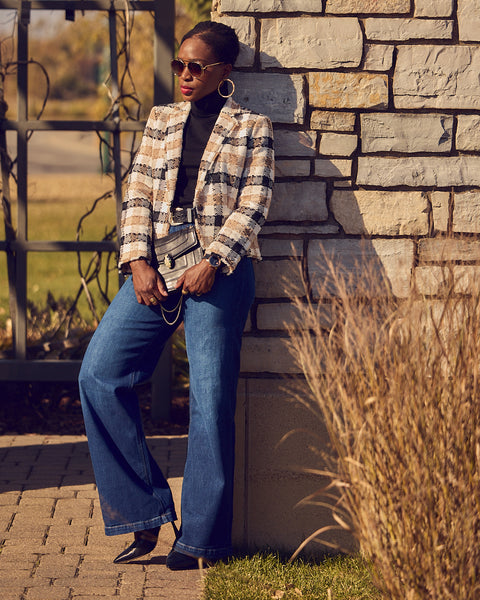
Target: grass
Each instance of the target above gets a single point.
(56, 204)
(266, 576)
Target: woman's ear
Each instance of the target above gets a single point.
(227, 69)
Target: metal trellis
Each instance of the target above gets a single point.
(19, 367)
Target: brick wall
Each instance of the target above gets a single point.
(376, 109)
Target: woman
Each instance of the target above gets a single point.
(209, 162)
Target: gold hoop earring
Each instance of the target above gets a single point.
(220, 86)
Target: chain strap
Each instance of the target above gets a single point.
(177, 308)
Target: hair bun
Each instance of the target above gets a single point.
(221, 38)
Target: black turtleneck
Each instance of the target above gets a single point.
(199, 126)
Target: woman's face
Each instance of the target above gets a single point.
(195, 88)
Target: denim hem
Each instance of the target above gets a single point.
(208, 553)
(167, 517)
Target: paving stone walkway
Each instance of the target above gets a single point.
(52, 544)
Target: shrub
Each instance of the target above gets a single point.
(397, 382)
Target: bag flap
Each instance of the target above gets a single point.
(177, 243)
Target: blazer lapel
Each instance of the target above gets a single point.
(173, 147)
(223, 127)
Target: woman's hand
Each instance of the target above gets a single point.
(147, 283)
(197, 280)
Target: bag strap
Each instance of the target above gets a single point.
(177, 308)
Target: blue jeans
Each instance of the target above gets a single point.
(123, 352)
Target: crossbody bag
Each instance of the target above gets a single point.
(177, 252)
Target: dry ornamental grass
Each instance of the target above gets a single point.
(397, 382)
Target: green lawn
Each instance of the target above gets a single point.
(266, 576)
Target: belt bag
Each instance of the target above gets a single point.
(176, 253)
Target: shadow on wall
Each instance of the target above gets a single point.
(277, 95)
(275, 480)
(378, 219)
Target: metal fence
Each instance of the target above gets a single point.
(17, 247)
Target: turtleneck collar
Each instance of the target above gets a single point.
(208, 105)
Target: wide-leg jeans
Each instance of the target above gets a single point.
(123, 352)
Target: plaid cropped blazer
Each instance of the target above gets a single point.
(233, 190)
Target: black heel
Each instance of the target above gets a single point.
(177, 561)
(145, 541)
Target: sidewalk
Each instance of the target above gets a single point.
(52, 545)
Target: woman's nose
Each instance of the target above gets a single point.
(185, 74)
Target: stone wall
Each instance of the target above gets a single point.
(376, 109)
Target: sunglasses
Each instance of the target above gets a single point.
(194, 68)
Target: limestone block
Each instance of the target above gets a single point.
(448, 250)
(368, 212)
(335, 167)
(371, 268)
(245, 29)
(437, 77)
(283, 248)
(434, 280)
(308, 229)
(338, 144)
(261, 92)
(467, 279)
(295, 143)
(417, 171)
(279, 279)
(387, 132)
(348, 90)
(248, 323)
(303, 201)
(241, 457)
(468, 132)
(433, 8)
(468, 12)
(269, 6)
(430, 280)
(278, 519)
(292, 168)
(267, 355)
(324, 43)
(329, 120)
(440, 210)
(408, 29)
(368, 6)
(343, 184)
(281, 316)
(466, 212)
(276, 316)
(378, 57)
(273, 412)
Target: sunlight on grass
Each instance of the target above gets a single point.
(266, 576)
(56, 203)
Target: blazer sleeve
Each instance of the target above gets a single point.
(255, 192)
(136, 224)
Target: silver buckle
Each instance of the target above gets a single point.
(183, 211)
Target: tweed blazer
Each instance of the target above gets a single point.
(233, 190)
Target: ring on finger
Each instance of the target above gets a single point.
(153, 300)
